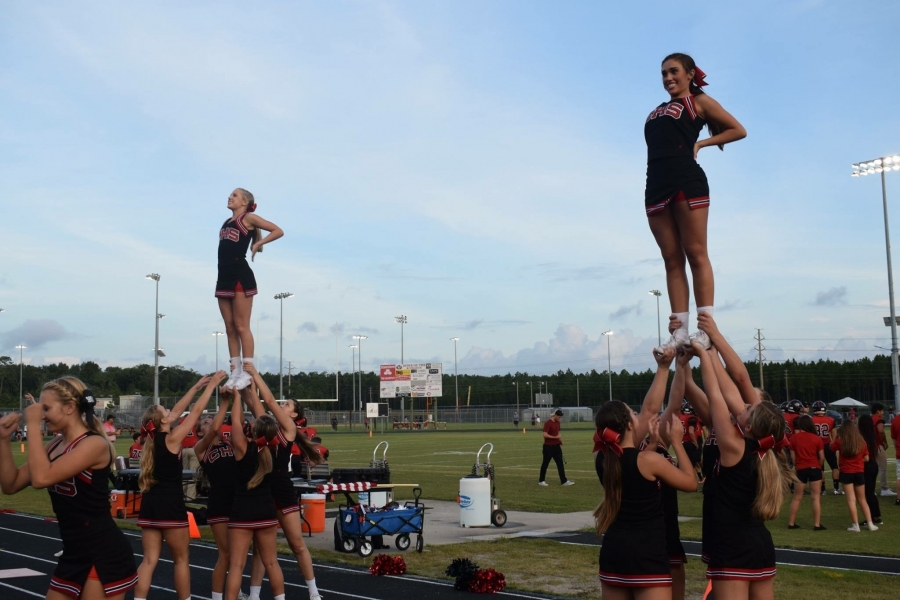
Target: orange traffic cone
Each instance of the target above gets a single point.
(707, 595)
(192, 526)
(22, 448)
(370, 433)
(523, 430)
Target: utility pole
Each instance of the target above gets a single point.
(577, 393)
(787, 390)
(290, 371)
(760, 357)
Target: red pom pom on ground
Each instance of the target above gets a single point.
(487, 581)
(384, 564)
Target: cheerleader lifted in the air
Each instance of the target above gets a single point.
(677, 194)
(236, 284)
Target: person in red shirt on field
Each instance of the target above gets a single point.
(895, 435)
(134, 452)
(553, 450)
(882, 447)
(692, 436)
(852, 456)
(825, 428)
(808, 452)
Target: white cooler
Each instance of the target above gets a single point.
(475, 502)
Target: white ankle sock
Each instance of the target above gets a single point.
(246, 360)
(279, 597)
(313, 590)
(254, 592)
(236, 363)
(706, 309)
(682, 332)
(217, 596)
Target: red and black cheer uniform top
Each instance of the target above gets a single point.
(234, 240)
(82, 502)
(167, 469)
(219, 467)
(282, 488)
(672, 129)
(253, 508)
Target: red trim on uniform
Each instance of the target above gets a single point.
(216, 520)
(733, 574)
(162, 524)
(281, 439)
(224, 294)
(239, 221)
(53, 444)
(689, 104)
(253, 524)
(252, 292)
(676, 561)
(636, 580)
(121, 586)
(693, 203)
(67, 588)
(704, 556)
(289, 509)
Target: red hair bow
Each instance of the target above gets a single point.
(699, 77)
(768, 443)
(262, 442)
(252, 207)
(148, 430)
(610, 439)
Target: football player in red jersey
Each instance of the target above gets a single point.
(825, 428)
(692, 436)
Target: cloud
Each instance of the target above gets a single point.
(36, 333)
(833, 297)
(624, 311)
(733, 305)
(337, 329)
(481, 323)
(308, 327)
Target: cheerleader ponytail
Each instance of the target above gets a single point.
(150, 424)
(773, 474)
(612, 421)
(265, 428)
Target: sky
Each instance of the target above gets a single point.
(476, 166)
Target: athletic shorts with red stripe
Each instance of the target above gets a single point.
(162, 511)
(106, 551)
(675, 179)
(741, 552)
(284, 494)
(635, 557)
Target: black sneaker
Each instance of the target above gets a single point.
(897, 502)
(793, 526)
(819, 528)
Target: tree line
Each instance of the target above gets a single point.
(866, 379)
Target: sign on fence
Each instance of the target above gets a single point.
(420, 380)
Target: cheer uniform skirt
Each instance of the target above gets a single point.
(219, 505)
(162, 511)
(284, 494)
(234, 278)
(741, 552)
(675, 179)
(253, 510)
(102, 553)
(635, 557)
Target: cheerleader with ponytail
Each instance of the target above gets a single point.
(97, 560)
(163, 516)
(236, 284)
(634, 554)
(751, 481)
(253, 516)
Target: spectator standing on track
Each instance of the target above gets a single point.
(881, 447)
(895, 435)
(808, 450)
(870, 469)
(553, 450)
(110, 427)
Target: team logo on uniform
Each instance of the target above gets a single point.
(229, 233)
(672, 109)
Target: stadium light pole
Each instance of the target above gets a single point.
(456, 373)
(280, 297)
(516, 383)
(353, 348)
(217, 335)
(402, 320)
(155, 278)
(359, 338)
(608, 333)
(20, 347)
(881, 166)
(657, 293)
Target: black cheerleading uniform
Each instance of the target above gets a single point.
(669, 497)
(234, 270)
(710, 460)
(634, 553)
(90, 537)
(252, 509)
(742, 546)
(671, 130)
(219, 467)
(282, 487)
(162, 506)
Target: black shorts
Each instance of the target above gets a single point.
(694, 453)
(635, 557)
(675, 179)
(831, 457)
(105, 550)
(742, 552)
(808, 475)
(284, 494)
(853, 478)
(232, 275)
(162, 511)
(253, 511)
(219, 505)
